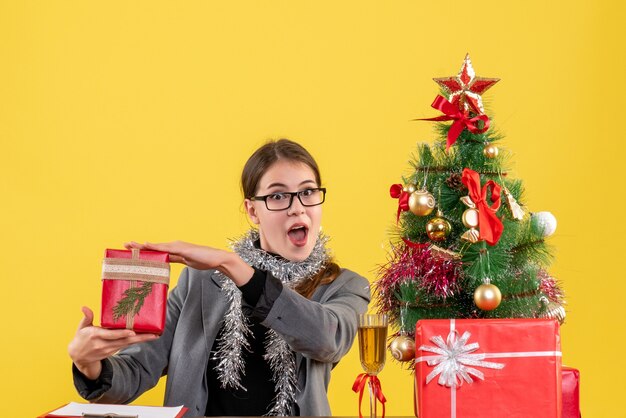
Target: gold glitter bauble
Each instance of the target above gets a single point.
(402, 348)
(410, 188)
(487, 297)
(421, 203)
(470, 218)
(438, 229)
(490, 151)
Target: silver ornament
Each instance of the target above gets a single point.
(544, 222)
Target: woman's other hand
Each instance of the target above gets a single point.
(197, 256)
(201, 257)
(92, 344)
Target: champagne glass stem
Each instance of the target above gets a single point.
(372, 399)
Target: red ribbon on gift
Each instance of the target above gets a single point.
(460, 117)
(397, 192)
(359, 386)
(489, 225)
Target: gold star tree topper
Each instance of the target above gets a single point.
(465, 89)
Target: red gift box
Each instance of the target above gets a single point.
(134, 290)
(571, 393)
(488, 368)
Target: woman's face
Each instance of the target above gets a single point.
(291, 233)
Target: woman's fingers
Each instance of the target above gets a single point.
(179, 251)
(87, 319)
(110, 347)
(134, 245)
(113, 334)
(103, 348)
(174, 247)
(177, 259)
(124, 336)
(92, 344)
(167, 247)
(104, 342)
(136, 339)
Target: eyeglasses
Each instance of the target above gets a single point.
(283, 200)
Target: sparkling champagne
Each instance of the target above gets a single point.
(372, 348)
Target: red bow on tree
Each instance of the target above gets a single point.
(397, 192)
(359, 386)
(460, 117)
(416, 245)
(490, 226)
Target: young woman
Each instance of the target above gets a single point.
(255, 331)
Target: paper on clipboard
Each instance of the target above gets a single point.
(75, 409)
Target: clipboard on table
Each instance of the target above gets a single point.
(100, 411)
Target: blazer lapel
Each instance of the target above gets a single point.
(213, 309)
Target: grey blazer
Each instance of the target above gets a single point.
(320, 331)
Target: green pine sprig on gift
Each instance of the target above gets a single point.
(132, 301)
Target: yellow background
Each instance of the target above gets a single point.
(128, 120)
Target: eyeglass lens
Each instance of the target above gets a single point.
(281, 201)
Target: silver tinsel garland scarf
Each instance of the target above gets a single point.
(231, 347)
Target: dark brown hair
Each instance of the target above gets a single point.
(256, 166)
(264, 157)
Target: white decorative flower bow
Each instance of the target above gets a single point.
(453, 359)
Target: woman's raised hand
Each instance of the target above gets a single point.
(197, 256)
(201, 257)
(92, 344)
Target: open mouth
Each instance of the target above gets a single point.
(298, 235)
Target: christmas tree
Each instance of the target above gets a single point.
(464, 245)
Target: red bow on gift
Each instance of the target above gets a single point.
(397, 192)
(359, 386)
(460, 117)
(490, 226)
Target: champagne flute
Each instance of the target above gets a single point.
(372, 349)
